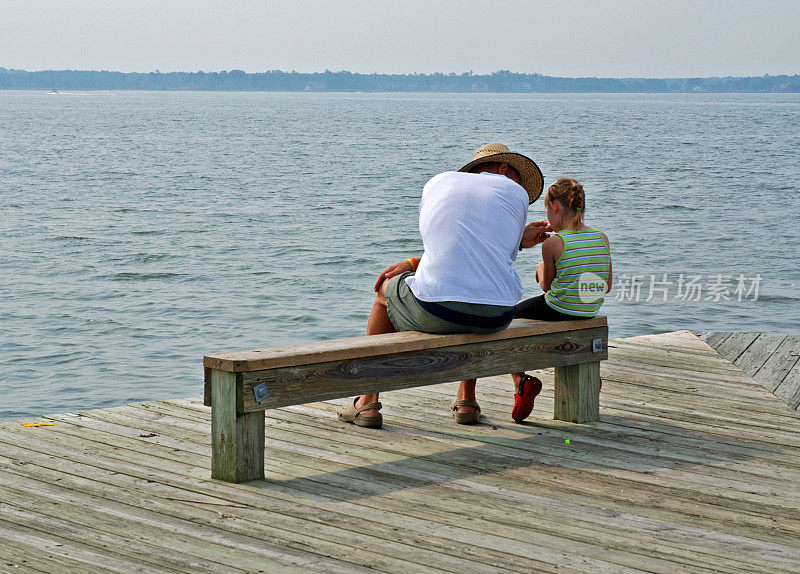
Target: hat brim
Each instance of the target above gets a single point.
(530, 176)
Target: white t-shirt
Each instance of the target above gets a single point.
(471, 226)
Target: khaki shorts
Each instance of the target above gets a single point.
(406, 314)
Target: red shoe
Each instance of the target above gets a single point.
(529, 387)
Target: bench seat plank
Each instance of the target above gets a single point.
(362, 375)
(240, 385)
(356, 347)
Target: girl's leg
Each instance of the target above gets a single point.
(536, 308)
(533, 308)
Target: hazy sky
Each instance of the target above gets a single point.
(562, 38)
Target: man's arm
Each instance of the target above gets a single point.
(534, 233)
(409, 264)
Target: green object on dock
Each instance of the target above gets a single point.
(566, 441)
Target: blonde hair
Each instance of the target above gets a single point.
(569, 193)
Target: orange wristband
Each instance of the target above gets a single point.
(414, 262)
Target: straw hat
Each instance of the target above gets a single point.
(530, 176)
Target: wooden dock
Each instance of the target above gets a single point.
(772, 360)
(693, 467)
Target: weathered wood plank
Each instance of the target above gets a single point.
(769, 359)
(107, 534)
(754, 357)
(32, 556)
(789, 388)
(716, 338)
(768, 412)
(735, 345)
(73, 553)
(425, 561)
(577, 390)
(681, 341)
(582, 525)
(207, 386)
(703, 444)
(297, 385)
(639, 457)
(487, 483)
(342, 437)
(321, 459)
(669, 480)
(356, 347)
(733, 485)
(773, 432)
(237, 438)
(283, 548)
(634, 464)
(617, 444)
(775, 369)
(703, 364)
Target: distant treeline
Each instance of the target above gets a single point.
(277, 81)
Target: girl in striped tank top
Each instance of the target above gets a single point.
(575, 274)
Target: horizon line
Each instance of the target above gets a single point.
(469, 73)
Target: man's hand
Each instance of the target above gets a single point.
(534, 233)
(391, 271)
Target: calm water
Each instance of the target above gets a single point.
(139, 231)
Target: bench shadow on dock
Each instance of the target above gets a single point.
(537, 444)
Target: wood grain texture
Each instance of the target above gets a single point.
(237, 438)
(207, 386)
(754, 357)
(715, 338)
(733, 347)
(789, 388)
(356, 347)
(772, 360)
(337, 379)
(577, 393)
(777, 366)
(692, 468)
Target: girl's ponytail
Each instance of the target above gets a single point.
(569, 193)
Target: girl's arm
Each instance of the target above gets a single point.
(551, 251)
(610, 273)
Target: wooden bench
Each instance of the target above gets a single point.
(240, 385)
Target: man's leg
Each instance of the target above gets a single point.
(377, 324)
(466, 391)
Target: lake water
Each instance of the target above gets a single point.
(140, 230)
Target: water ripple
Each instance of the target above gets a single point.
(173, 224)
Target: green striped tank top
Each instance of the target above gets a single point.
(581, 273)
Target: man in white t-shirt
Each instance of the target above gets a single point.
(472, 224)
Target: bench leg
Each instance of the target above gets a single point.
(577, 393)
(237, 440)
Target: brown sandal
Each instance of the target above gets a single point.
(351, 414)
(469, 418)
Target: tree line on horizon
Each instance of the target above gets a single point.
(345, 81)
